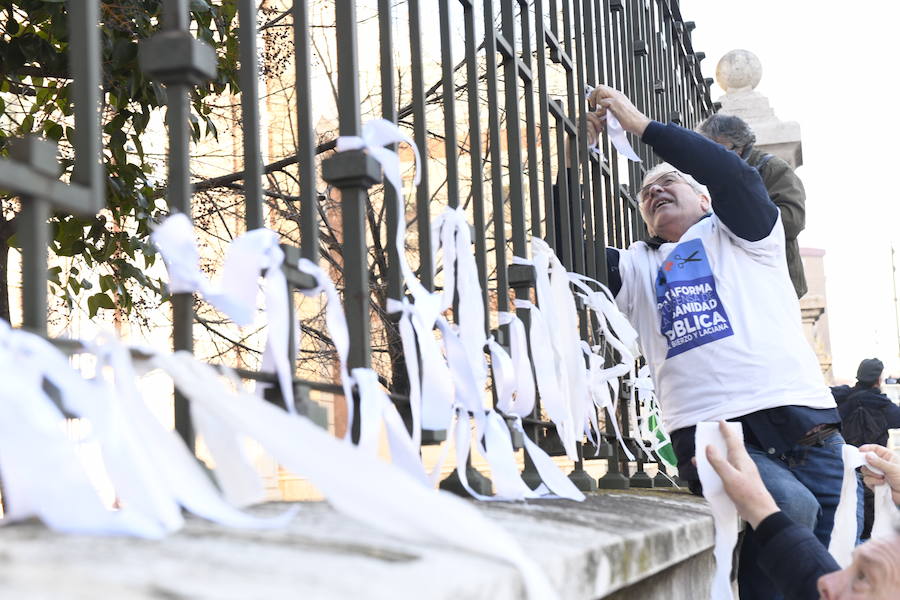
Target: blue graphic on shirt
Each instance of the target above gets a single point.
(691, 313)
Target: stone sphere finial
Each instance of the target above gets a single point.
(738, 70)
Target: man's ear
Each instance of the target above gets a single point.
(705, 202)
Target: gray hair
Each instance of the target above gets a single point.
(661, 168)
(730, 129)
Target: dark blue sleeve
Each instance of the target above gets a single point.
(739, 196)
(614, 278)
(792, 557)
(892, 414)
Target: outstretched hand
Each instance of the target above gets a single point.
(605, 98)
(741, 479)
(886, 460)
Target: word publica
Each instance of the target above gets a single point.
(695, 326)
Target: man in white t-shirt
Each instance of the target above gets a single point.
(719, 322)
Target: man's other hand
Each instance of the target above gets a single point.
(605, 98)
(741, 479)
(886, 460)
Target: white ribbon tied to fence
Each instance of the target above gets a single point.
(355, 483)
(235, 293)
(151, 471)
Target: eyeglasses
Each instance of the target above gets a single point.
(664, 180)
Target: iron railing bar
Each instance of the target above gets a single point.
(449, 104)
(544, 113)
(249, 79)
(513, 153)
(534, 191)
(475, 158)
(84, 40)
(389, 112)
(490, 50)
(306, 147)
(420, 136)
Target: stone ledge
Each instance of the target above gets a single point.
(610, 542)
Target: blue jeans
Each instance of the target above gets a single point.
(806, 484)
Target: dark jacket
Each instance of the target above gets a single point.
(792, 557)
(786, 191)
(848, 398)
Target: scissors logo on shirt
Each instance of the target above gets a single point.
(681, 261)
(690, 311)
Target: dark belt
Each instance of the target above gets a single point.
(816, 435)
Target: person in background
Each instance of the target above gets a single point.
(798, 564)
(866, 416)
(784, 187)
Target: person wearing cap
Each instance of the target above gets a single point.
(866, 415)
(719, 323)
(784, 187)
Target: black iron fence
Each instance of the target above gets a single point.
(493, 95)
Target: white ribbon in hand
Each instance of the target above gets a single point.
(724, 512)
(616, 134)
(844, 531)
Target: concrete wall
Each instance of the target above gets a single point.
(647, 545)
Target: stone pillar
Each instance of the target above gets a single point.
(813, 309)
(738, 73)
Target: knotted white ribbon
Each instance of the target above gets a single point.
(376, 134)
(336, 321)
(451, 230)
(150, 469)
(236, 292)
(550, 379)
(375, 408)
(724, 512)
(616, 134)
(844, 531)
(42, 474)
(522, 401)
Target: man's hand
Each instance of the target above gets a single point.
(741, 479)
(605, 98)
(595, 125)
(882, 458)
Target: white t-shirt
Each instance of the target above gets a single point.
(719, 324)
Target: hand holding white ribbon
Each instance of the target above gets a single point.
(724, 512)
(616, 133)
(844, 532)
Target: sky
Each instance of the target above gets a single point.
(832, 67)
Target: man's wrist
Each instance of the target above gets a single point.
(641, 126)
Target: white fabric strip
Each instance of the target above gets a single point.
(844, 532)
(549, 379)
(524, 393)
(616, 134)
(337, 326)
(377, 408)
(725, 515)
(554, 479)
(355, 483)
(235, 295)
(33, 440)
